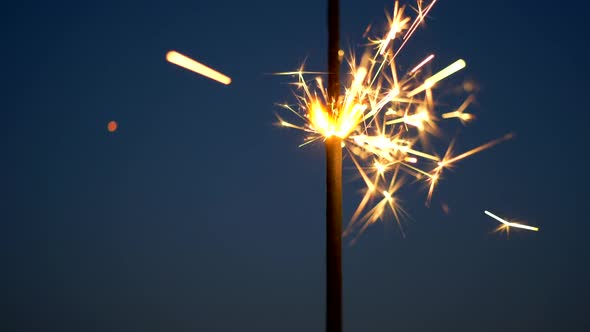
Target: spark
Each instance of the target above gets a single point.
(380, 167)
(421, 64)
(386, 119)
(448, 160)
(192, 65)
(459, 113)
(507, 224)
(398, 24)
(421, 15)
(431, 81)
(480, 148)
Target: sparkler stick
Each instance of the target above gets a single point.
(192, 65)
(333, 183)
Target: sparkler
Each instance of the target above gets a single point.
(385, 119)
(505, 225)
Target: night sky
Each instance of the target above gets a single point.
(198, 214)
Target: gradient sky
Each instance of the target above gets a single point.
(199, 215)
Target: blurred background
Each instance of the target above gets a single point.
(198, 214)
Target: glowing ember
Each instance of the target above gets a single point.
(384, 117)
(112, 126)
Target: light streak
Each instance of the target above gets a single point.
(508, 224)
(459, 113)
(192, 65)
(421, 64)
(431, 81)
(421, 15)
(480, 148)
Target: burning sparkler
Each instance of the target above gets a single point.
(505, 225)
(384, 118)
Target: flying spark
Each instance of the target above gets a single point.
(505, 225)
(192, 65)
(385, 117)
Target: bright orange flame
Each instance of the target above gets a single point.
(320, 120)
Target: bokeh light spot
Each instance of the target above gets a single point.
(112, 126)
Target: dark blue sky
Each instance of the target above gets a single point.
(200, 215)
